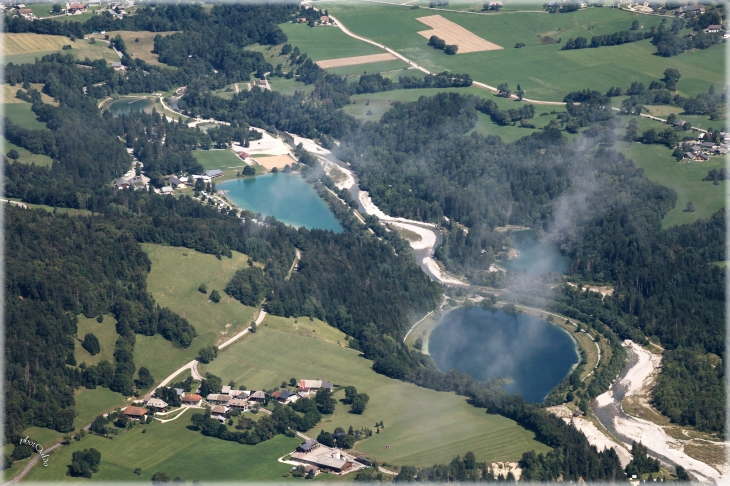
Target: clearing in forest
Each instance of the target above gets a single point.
(453, 33)
(351, 61)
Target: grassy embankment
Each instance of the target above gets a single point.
(25, 48)
(544, 71)
(422, 427)
(173, 281)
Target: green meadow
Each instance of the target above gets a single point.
(21, 114)
(373, 67)
(326, 42)
(684, 177)
(26, 156)
(217, 159)
(544, 71)
(174, 449)
(422, 426)
(173, 281)
(105, 331)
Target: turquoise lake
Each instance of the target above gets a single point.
(484, 344)
(284, 196)
(126, 105)
(535, 256)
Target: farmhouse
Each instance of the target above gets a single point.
(678, 123)
(75, 8)
(285, 396)
(219, 411)
(157, 404)
(713, 28)
(192, 399)
(307, 385)
(117, 66)
(325, 458)
(213, 173)
(121, 183)
(226, 390)
(258, 396)
(238, 404)
(308, 446)
(692, 9)
(240, 393)
(135, 413)
(167, 190)
(219, 398)
(26, 13)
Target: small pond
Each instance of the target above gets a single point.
(535, 256)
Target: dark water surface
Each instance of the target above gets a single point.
(284, 196)
(535, 256)
(126, 105)
(532, 353)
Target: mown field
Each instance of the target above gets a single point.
(174, 449)
(25, 48)
(422, 427)
(21, 114)
(326, 42)
(544, 71)
(217, 159)
(173, 281)
(372, 67)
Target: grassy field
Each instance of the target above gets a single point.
(92, 403)
(684, 177)
(21, 114)
(326, 42)
(174, 449)
(143, 48)
(25, 156)
(422, 427)
(69, 211)
(217, 159)
(106, 332)
(303, 326)
(173, 281)
(543, 71)
(25, 48)
(373, 67)
(289, 86)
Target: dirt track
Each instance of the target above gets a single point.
(453, 33)
(352, 61)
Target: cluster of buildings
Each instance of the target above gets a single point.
(173, 182)
(701, 150)
(117, 9)
(223, 403)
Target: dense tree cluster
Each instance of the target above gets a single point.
(615, 39)
(84, 463)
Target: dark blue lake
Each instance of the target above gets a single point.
(532, 353)
(284, 196)
(535, 256)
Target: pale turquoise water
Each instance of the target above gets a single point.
(284, 196)
(535, 256)
(532, 353)
(125, 105)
